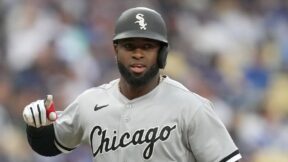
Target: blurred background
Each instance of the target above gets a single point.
(234, 52)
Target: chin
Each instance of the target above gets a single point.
(138, 79)
(138, 75)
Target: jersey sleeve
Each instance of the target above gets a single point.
(208, 138)
(68, 131)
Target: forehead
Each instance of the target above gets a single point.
(138, 40)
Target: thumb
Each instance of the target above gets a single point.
(50, 108)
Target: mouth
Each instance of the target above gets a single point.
(137, 68)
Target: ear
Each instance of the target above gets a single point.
(162, 56)
(115, 48)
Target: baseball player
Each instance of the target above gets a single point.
(142, 116)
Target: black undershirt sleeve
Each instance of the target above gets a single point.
(42, 139)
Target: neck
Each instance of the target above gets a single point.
(132, 92)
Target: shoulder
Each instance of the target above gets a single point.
(180, 100)
(178, 91)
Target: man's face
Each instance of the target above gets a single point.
(137, 60)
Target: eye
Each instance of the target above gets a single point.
(128, 46)
(148, 46)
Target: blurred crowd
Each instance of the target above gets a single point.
(234, 52)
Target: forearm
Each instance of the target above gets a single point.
(42, 139)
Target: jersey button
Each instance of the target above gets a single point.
(126, 119)
(129, 106)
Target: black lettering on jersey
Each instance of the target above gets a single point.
(139, 137)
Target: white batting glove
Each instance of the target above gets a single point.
(40, 113)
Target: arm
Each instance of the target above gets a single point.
(39, 116)
(208, 137)
(42, 139)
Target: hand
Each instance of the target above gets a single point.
(40, 113)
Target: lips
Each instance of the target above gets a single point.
(137, 68)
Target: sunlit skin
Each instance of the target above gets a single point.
(137, 62)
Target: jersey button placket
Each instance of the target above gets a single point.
(127, 114)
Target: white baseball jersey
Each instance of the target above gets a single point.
(169, 124)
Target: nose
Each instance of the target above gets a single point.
(138, 54)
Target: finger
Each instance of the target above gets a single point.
(25, 117)
(32, 116)
(48, 101)
(52, 116)
(36, 114)
(50, 108)
(28, 116)
(39, 114)
(43, 118)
